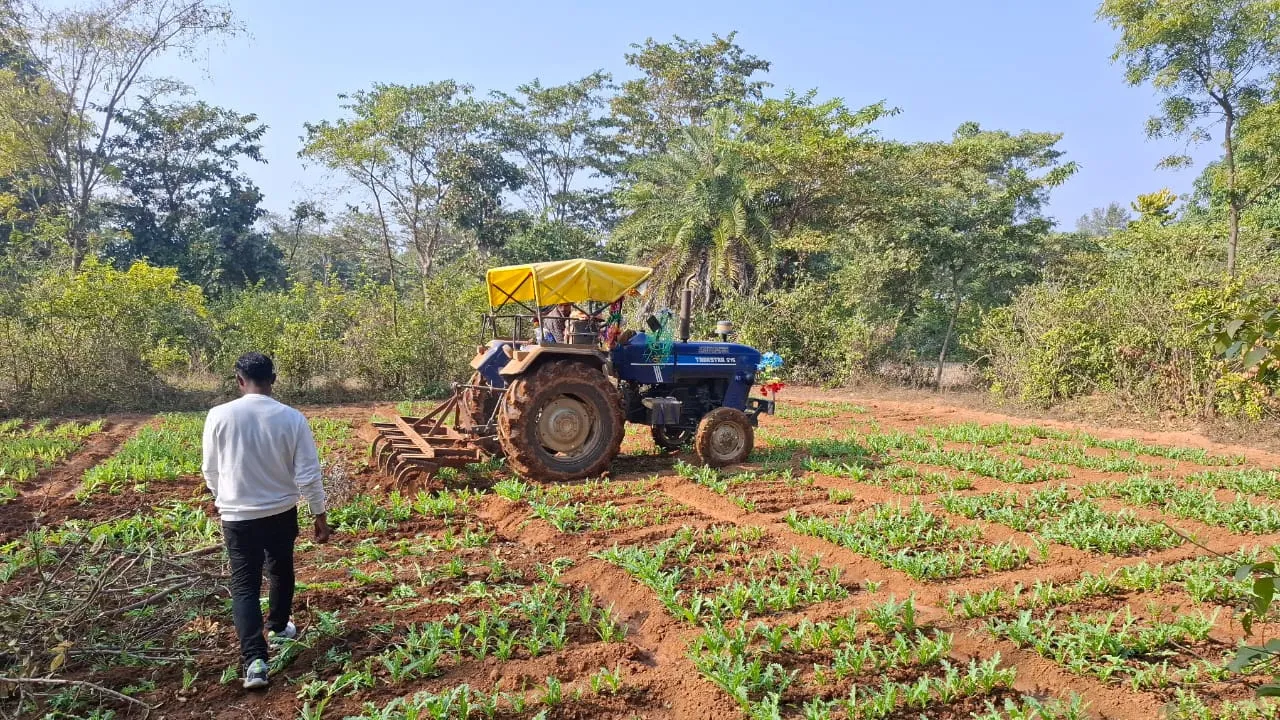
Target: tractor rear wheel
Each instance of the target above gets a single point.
(724, 437)
(670, 438)
(563, 421)
(478, 406)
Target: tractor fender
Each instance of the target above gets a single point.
(530, 356)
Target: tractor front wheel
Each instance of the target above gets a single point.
(563, 421)
(724, 437)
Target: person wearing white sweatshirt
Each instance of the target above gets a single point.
(259, 460)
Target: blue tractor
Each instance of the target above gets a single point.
(554, 386)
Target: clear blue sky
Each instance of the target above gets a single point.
(1020, 64)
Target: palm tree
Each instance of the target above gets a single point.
(694, 211)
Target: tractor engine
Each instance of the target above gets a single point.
(694, 400)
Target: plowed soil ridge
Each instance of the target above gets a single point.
(50, 496)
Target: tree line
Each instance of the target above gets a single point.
(793, 214)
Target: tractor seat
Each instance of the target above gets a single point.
(583, 331)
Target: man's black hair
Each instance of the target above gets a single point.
(256, 367)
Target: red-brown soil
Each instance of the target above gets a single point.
(658, 678)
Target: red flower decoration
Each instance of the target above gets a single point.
(773, 387)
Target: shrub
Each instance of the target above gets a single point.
(420, 348)
(99, 339)
(1129, 322)
(320, 334)
(300, 328)
(823, 341)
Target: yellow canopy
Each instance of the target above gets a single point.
(563, 281)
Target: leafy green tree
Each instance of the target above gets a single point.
(12, 54)
(979, 232)
(186, 203)
(681, 82)
(95, 60)
(25, 195)
(28, 102)
(1257, 157)
(695, 212)
(822, 172)
(543, 241)
(559, 134)
(1215, 61)
(304, 216)
(228, 251)
(1156, 207)
(428, 159)
(1100, 222)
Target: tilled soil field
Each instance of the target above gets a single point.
(874, 559)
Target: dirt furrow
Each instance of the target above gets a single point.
(50, 497)
(659, 637)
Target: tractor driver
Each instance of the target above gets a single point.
(554, 323)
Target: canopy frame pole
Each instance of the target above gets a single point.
(509, 297)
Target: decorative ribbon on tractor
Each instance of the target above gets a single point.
(660, 341)
(767, 373)
(612, 325)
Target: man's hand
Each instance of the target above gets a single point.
(322, 529)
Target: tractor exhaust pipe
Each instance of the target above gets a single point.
(686, 309)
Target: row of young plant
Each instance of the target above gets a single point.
(847, 665)
(840, 669)
(1204, 579)
(1003, 434)
(595, 506)
(462, 701)
(902, 479)
(542, 618)
(165, 450)
(1143, 654)
(173, 527)
(818, 410)
(739, 486)
(856, 456)
(745, 583)
(1053, 514)
(27, 449)
(909, 538)
(1241, 515)
(1168, 653)
(367, 513)
(170, 448)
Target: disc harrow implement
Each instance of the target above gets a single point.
(413, 448)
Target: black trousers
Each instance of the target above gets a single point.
(251, 545)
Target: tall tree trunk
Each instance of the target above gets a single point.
(1233, 205)
(78, 242)
(386, 246)
(297, 240)
(951, 326)
(425, 259)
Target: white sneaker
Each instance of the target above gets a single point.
(290, 632)
(257, 675)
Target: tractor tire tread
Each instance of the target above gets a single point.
(517, 411)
